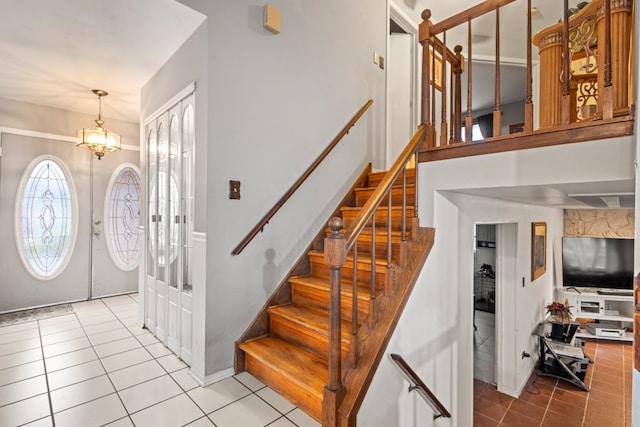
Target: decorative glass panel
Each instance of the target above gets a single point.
(123, 217)
(46, 216)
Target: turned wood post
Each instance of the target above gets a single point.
(565, 109)
(457, 96)
(335, 255)
(468, 128)
(425, 114)
(528, 105)
(497, 113)
(616, 44)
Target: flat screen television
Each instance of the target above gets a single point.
(597, 262)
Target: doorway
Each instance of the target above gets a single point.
(484, 298)
(57, 221)
(402, 84)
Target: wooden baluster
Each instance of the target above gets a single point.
(433, 90)
(404, 203)
(469, 119)
(451, 101)
(373, 256)
(389, 227)
(607, 95)
(426, 82)
(565, 110)
(528, 105)
(497, 114)
(457, 103)
(443, 88)
(354, 290)
(335, 255)
(415, 221)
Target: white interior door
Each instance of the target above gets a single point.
(168, 286)
(50, 191)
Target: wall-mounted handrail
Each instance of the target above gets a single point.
(420, 386)
(265, 220)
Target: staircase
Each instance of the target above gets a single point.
(287, 346)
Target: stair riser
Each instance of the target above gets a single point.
(320, 269)
(396, 198)
(306, 400)
(301, 336)
(317, 298)
(348, 217)
(376, 177)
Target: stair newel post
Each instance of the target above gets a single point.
(426, 78)
(335, 255)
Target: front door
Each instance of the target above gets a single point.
(52, 223)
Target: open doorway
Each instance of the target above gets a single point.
(402, 66)
(484, 300)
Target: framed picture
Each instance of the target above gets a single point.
(538, 249)
(436, 70)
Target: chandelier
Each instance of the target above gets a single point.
(98, 139)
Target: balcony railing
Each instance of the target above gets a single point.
(585, 91)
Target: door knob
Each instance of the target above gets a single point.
(97, 222)
(96, 233)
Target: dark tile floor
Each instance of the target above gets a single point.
(548, 402)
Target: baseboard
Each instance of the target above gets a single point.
(210, 379)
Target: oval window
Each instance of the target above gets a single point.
(122, 214)
(45, 217)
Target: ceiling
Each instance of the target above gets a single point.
(54, 53)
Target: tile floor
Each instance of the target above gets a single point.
(484, 347)
(96, 367)
(548, 402)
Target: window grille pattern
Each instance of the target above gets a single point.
(47, 216)
(123, 218)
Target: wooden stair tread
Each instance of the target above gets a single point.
(298, 365)
(311, 318)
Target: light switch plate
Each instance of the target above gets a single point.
(234, 190)
(272, 18)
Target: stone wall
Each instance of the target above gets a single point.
(599, 223)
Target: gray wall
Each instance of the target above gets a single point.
(266, 107)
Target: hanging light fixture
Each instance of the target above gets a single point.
(98, 139)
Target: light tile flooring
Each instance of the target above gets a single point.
(96, 367)
(484, 347)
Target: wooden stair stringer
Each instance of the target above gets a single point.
(373, 342)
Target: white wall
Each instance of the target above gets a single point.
(435, 333)
(272, 103)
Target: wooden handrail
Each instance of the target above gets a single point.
(464, 16)
(265, 220)
(376, 198)
(420, 386)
